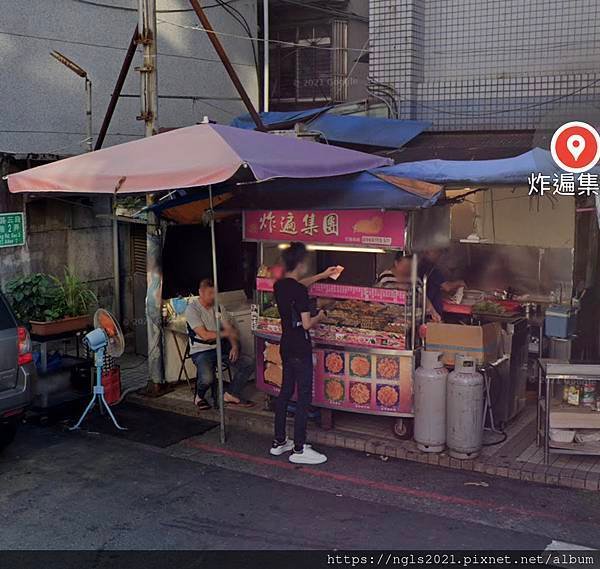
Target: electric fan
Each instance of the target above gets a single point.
(105, 339)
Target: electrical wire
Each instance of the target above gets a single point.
(209, 104)
(129, 9)
(60, 132)
(122, 49)
(332, 11)
(239, 17)
(448, 52)
(499, 112)
(262, 40)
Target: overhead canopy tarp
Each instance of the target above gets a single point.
(344, 129)
(514, 170)
(189, 208)
(279, 119)
(359, 191)
(188, 157)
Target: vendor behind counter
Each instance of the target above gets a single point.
(399, 276)
(437, 284)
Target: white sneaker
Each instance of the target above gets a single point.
(278, 450)
(308, 456)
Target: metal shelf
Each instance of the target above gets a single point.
(549, 372)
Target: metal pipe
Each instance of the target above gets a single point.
(217, 317)
(413, 277)
(114, 98)
(424, 299)
(149, 114)
(116, 271)
(88, 113)
(266, 36)
(212, 36)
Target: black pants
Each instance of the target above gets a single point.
(297, 373)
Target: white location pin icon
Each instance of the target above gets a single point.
(576, 145)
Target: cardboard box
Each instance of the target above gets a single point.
(480, 342)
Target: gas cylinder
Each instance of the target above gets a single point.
(430, 403)
(464, 410)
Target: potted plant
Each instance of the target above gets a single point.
(52, 306)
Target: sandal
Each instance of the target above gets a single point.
(240, 403)
(202, 405)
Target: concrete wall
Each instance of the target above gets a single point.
(42, 103)
(62, 233)
(509, 216)
(42, 111)
(481, 64)
(529, 242)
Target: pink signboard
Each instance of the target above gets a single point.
(360, 228)
(330, 290)
(344, 292)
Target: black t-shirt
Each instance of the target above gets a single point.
(435, 280)
(292, 301)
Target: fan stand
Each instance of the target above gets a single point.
(98, 394)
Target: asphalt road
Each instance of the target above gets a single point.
(62, 490)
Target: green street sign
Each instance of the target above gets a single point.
(12, 230)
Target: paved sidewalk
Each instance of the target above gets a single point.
(516, 457)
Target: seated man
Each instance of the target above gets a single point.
(202, 329)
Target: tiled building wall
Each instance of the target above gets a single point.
(486, 64)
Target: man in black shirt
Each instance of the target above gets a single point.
(437, 284)
(291, 294)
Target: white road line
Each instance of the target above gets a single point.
(564, 546)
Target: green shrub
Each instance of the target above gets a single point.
(44, 298)
(78, 297)
(36, 297)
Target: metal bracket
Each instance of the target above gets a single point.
(145, 116)
(145, 39)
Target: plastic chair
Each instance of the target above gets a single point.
(226, 368)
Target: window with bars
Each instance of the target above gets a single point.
(314, 68)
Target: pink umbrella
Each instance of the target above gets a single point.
(198, 155)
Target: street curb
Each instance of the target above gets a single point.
(261, 422)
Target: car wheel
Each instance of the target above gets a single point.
(7, 433)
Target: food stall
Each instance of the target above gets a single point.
(364, 351)
(530, 259)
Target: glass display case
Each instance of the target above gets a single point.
(360, 357)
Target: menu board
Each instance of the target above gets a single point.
(377, 384)
(338, 291)
(358, 381)
(269, 368)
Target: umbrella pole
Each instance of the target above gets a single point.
(217, 318)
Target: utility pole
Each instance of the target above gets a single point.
(149, 114)
(266, 56)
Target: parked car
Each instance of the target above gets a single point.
(17, 373)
